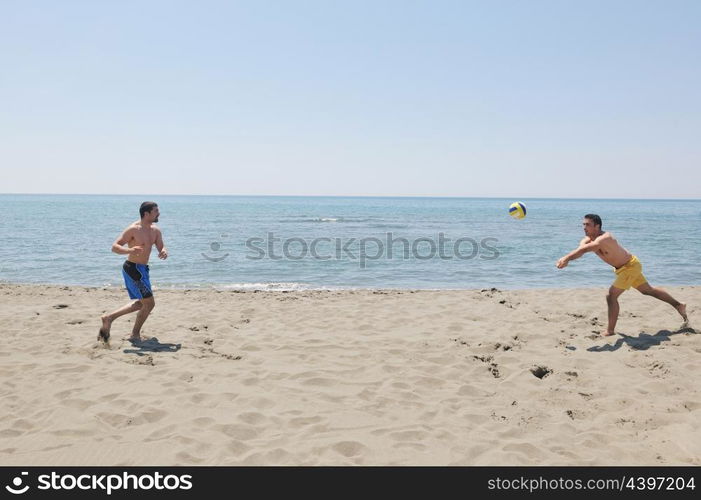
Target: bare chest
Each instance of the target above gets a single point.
(143, 237)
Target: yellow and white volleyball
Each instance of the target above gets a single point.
(517, 210)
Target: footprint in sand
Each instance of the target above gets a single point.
(252, 418)
(349, 448)
(573, 414)
(237, 432)
(142, 360)
(411, 436)
(541, 371)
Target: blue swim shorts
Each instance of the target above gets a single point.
(137, 280)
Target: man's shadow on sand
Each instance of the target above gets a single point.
(151, 345)
(642, 342)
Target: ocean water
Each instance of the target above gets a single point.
(289, 243)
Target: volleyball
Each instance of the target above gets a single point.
(517, 210)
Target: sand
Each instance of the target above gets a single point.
(348, 378)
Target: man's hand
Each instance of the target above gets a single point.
(135, 250)
(562, 262)
(163, 254)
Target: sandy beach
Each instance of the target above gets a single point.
(483, 377)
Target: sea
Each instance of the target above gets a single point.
(285, 243)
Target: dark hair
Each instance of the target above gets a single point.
(594, 218)
(146, 206)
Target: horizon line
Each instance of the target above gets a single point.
(354, 196)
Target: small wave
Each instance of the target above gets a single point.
(314, 219)
(388, 226)
(327, 219)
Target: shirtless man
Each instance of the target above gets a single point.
(628, 269)
(140, 236)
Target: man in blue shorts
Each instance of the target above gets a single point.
(139, 237)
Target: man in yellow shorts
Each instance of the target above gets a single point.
(629, 270)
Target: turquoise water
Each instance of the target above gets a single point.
(66, 239)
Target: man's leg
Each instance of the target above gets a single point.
(660, 294)
(107, 319)
(612, 301)
(146, 308)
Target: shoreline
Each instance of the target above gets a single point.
(348, 377)
(252, 289)
(409, 196)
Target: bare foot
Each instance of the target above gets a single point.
(104, 333)
(607, 333)
(681, 309)
(134, 338)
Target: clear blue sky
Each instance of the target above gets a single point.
(437, 98)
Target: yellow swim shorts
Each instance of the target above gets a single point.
(629, 275)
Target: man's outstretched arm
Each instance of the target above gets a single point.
(575, 254)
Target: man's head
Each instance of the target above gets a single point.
(149, 211)
(592, 225)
